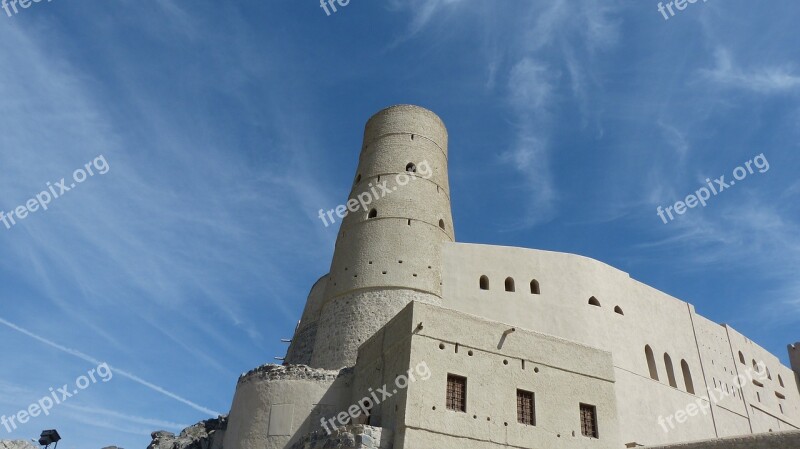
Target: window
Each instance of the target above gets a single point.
(589, 421)
(594, 302)
(526, 410)
(687, 377)
(670, 371)
(411, 168)
(741, 358)
(373, 213)
(535, 287)
(456, 393)
(651, 362)
(484, 283)
(618, 310)
(509, 284)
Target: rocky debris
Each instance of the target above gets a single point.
(17, 444)
(299, 372)
(203, 435)
(351, 437)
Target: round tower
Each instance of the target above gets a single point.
(388, 253)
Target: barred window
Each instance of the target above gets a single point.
(456, 393)
(589, 421)
(526, 410)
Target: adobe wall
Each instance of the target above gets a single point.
(647, 317)
(561, 374)
(301, 349)
(355, 437)
(274, 406)
(776, 440)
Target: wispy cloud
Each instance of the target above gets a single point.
(762, 80)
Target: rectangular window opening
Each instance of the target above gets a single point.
(589, 421)
(456, 393)
(526, 408)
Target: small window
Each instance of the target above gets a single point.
(741, 358)
(594, 302)
(535, 287)
(526, 409)
(589, 421)
(687, 377)
(618, 310)
(456, 393)
(373, 213)
(509, 284)
(484, 283)
(670, 371)
(411, 168)
(651, 362)
(441, 224)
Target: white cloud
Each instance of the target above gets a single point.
(762, 80)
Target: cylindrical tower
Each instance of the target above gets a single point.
(388, 253)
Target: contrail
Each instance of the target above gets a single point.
(122, 373)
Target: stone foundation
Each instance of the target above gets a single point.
(775, 440)
(356, 437)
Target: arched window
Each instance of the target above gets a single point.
(373, 213)
(535, 287)
(411, 168)
(687, 377)
(618, 310)
(441, 223)
(780, 380)
(484, 283)
(594, 302)
(509, 284)
(741, 358)
(670, 370)
(651, 362)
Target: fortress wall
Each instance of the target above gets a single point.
(720, 380)
(355, 437)
(641, 401)
(651, 318)
(561, 374)
(274, 406)
(302, 346)
(782, 440)
(776, 393)
(354, 318)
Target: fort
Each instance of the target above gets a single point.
(525, 348)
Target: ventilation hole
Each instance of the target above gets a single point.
(370, 262)
(434, 407)
(355, 275)
(383, 272)
(476, 417)
(488, 419)
(429, 267)
(411, 168)
(505, 362)
(441, 345)
(415, 275)
(505, 424)
(358, 178)
(441, 224)
(409, 222)
(399, 261)
(373, 213)
(536, 370)
(618, 310)
(345, 268)
(412, 137)
(469, 353)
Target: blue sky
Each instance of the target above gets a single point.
(228, 125)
